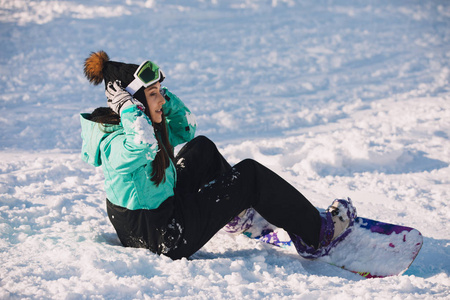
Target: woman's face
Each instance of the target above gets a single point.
(155, 102)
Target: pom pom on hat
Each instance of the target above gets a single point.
(93, 66)
(98, 68)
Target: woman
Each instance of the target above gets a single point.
(174, 205)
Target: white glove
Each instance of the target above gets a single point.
(119, 98)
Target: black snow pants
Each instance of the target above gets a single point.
(210, 193)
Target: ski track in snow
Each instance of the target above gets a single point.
(339, 98)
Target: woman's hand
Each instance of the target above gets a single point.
(119, 98)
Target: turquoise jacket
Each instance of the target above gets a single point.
(126, 152)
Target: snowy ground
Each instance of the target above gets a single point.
(341, 98)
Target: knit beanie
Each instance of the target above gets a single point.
(98, 68)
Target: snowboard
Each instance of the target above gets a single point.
(373, 249)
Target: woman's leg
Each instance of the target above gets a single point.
(247, 184)
(198, 163)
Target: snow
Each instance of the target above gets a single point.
(342, 99)
(144, 133)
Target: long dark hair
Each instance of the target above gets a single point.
(107, 117)
(165, 153)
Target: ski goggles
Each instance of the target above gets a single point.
(146, 74)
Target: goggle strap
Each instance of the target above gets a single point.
(134, 86)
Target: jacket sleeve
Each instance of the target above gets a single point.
(181, 122)
(135, 146)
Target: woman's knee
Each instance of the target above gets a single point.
(249, 162)
(198, 144)
(204, 144)
(247, 165)
(203, 140)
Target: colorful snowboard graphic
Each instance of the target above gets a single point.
(373, 249)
